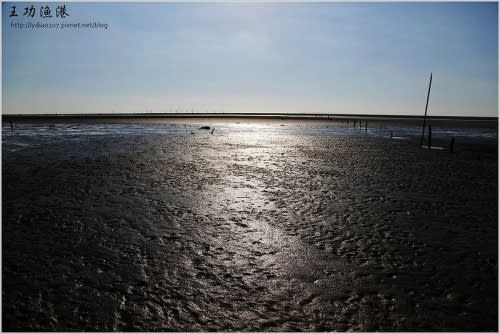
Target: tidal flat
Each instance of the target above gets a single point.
(258, 226)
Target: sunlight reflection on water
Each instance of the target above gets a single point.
(33, 134)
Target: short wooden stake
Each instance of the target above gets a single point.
(430, 136)
(452, 144)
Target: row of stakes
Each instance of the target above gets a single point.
(429, 141)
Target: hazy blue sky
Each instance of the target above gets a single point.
(254, 57)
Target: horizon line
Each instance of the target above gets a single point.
(245, 115)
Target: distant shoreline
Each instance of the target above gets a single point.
(248, 115)
(252, 118)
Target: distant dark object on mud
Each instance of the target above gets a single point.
(206, 127)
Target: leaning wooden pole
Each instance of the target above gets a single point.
(425, 115)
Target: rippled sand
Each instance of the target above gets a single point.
(248, 232)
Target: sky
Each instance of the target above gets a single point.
(365, 58)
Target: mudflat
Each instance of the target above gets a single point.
(172, 228)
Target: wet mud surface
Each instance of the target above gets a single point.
(245, 232)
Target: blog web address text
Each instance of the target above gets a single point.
(60, 26)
